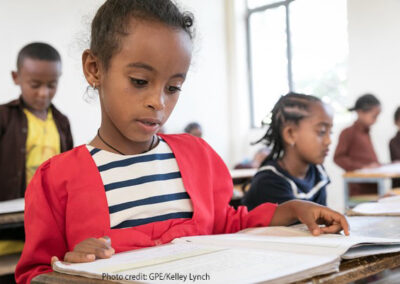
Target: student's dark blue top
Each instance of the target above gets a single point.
(274, 184)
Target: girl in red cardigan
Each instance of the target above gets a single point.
(130, 188)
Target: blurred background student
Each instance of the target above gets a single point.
(31, 129)
(355, 149)
(194, 128)
(394, 146)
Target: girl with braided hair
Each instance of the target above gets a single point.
(299, 138)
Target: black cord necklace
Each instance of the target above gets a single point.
(116, 150)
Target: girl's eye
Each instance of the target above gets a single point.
(139, 82)
(173, 89)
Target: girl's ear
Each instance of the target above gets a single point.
(91, 68)
(289, 134)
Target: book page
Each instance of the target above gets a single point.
(187, 262)
(384, 208)
(294, 239)
(12, 206)
(393, 168)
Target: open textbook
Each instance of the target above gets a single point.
(388, 206)
(268, 255)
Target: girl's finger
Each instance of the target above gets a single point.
(53, 259)
(78, 257)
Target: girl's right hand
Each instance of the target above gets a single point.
(89, 250)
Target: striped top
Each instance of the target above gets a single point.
(143, 188)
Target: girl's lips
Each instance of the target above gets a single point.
(149, 125)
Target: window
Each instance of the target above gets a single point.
(296, 45)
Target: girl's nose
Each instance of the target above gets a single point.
(156, 100)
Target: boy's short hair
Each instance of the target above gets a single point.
(37, 50)
(397, 115)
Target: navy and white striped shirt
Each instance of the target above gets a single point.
(143, 188)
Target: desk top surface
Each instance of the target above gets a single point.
(384, 171)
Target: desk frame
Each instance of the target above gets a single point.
(380, 181)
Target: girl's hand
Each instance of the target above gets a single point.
(312, 215)
(89, 250)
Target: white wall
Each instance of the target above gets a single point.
(65, 25)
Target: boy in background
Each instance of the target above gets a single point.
(31, 129)
(394, 146)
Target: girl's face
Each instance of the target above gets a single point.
(142, 84)
(368, 118)
(312, 136)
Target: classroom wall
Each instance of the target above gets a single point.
(66, 24)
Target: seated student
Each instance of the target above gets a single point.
(194, 129)
(354, 149)
(131, 187)
(255, 163)
(394, 146)
(299, 135)
(31, 129)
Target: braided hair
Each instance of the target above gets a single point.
(291, 107)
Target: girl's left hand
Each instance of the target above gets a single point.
(312, 215)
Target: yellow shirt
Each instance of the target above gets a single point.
(42, 143)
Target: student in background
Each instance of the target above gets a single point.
(258, 158)
(354, 149)
(299, 136)
(31, 129)
(194, 129)
(394, 145)
(130, 187)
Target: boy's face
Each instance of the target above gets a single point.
(38, 80)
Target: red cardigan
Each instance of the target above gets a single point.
(66, 203)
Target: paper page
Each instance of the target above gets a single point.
(12, 206)
(370, 250)
(290, 239)
(185, 262)
(384, 169)
(390, 199)
(377, 208)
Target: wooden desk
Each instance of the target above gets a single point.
(373, 175)
(350, 270)
(11, 220)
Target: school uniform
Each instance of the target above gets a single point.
(13, 138)
(394, 147)
(355, 151)
(71, 199)
(274, 184)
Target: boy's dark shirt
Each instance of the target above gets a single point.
(394, 147)
(272, 185)
(13, 135)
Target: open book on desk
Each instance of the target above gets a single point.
(388, 206)
(270, 255)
